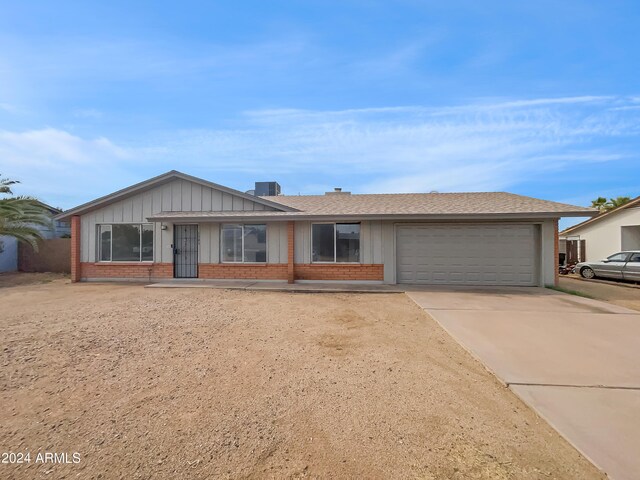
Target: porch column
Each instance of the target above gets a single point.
(75, 248)
(291, 276)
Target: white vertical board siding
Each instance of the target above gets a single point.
(284, 243)
(388, 250)
(302, 242)
(371, 242)
(277, 242)
(214, 243)
(196, 197)
(273, 242)
(204, 243)
(177, 195)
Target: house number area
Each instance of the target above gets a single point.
(40, 457)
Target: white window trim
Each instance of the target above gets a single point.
(98, 243)
(242, 225)
(335, 244)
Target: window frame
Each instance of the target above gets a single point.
(335, 243)
(242, 225)
(111, 260)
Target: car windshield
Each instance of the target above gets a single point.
(618, 257)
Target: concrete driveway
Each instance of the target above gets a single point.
(574, 360)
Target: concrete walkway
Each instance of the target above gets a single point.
(574, 360)
(277, 286)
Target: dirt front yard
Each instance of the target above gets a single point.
(625, 295)
(202, 383)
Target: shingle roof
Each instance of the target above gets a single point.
(426, 203)
(409, 205)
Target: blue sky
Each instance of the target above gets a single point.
(537, 98)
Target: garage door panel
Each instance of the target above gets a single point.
(466, 254)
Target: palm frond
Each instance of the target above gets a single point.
(20, 218)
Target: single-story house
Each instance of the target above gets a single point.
(9, 245)
(179, 226)
(601, 236)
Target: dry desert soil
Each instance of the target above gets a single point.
(204, 383)
(623, 294)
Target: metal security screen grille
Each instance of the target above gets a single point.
(185, 251)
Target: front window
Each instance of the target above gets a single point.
(125, 242)
(243, 243)
(335, 242)
(618, 257)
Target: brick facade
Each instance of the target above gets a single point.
(75, 249)
(126, 270)
(266, 271)
(247, 271)
(336, 271)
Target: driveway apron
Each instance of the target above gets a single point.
(575, 361)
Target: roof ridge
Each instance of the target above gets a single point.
(391, 194)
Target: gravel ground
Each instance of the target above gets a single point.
(625, 295)
(200, 383)
(13, 279)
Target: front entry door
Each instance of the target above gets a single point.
(185, 251)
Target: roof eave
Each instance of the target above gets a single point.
(396, 217)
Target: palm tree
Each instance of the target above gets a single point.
(618, 202)
(600, 203)
(20, 217)
(604, 205)
(5, 185)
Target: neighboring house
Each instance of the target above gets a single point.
(179, 226)
(9, 245)
(603, 235)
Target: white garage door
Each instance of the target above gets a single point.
(466, 254)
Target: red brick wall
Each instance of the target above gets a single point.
(318, 271)
(267, 271)
(75, 248)
(126, 270)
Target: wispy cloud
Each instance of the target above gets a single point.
(479, 146)
(60, 167)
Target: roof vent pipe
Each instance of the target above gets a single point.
(337, 191)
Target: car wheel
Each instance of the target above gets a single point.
(587, 272)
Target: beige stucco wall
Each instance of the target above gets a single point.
(605, 237)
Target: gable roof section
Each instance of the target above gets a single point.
(159, 180)
(633, 203)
